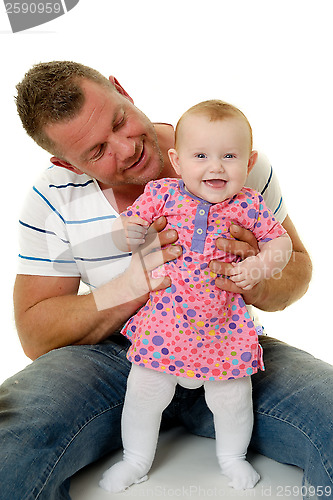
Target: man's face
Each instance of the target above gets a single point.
(110, 139)
(213, 157)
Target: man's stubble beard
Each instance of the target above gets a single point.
(144, 178)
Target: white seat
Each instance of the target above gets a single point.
(186, 467)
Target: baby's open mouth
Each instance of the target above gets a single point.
(215, 183)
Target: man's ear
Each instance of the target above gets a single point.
(119, 88)
(174, 160)
(252, 161)
(64, 164)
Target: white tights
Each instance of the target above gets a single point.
(149, 392)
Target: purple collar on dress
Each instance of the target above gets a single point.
(184, 191)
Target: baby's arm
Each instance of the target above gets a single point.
(272, 258)
(129, 232)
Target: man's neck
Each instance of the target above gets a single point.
(120, 197)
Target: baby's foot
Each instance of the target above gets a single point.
(120, 476)
(242, 474)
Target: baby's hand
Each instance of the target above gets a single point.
(247, 273)
(129, 232)
(135, 230)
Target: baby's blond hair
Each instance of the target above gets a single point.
(214, 110)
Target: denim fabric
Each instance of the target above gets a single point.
(63, 412)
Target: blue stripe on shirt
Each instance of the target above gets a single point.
(82, 221)
(41, 230)
(49, 204)
(94, 219)
(70, 184)
(58, 261)
(266, 186)
(267, 183)
(279, 205)
(100, 259)
(88, 284)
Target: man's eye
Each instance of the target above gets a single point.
(119, 123)
(99, 153)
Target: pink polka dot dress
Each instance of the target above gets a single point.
(192, 328)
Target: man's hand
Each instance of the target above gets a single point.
(244, 245)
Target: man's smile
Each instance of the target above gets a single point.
(140, 159)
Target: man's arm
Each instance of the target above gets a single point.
(49, 313)
(272, 294)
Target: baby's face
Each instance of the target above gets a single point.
(214, 156)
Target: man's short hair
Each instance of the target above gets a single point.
(214, 110)
(51, 92)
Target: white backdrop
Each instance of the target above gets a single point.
(271, 58)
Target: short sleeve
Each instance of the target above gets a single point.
(154, 199)
(43, 241)
(266, 226)
(143, 206)
(263, 179)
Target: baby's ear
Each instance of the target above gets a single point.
(174, 159)
(252, 161)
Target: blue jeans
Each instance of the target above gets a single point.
(63, 412)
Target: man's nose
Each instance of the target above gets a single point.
(123, 147)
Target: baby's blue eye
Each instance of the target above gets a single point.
(201, 155)
(229, 155)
